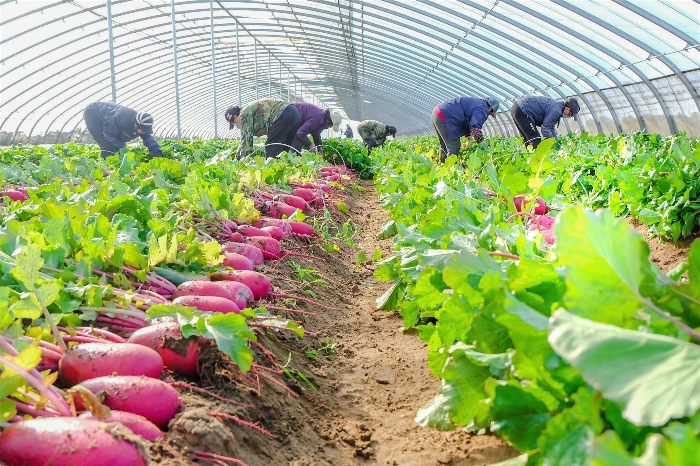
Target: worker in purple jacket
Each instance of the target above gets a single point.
(461, 116)
(313, 121)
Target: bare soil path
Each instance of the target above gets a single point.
(384, 378)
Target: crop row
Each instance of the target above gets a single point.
(565, 340)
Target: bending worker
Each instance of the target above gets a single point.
(374, 133)
(461, 116)
(313, 121)
(112, 126)
(348, 132)
(535, 110)
(277, 119)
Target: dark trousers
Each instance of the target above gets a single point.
(282, 132)
(526, 126)
(447, 146)
(95, 126)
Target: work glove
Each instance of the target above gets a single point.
(155, 153)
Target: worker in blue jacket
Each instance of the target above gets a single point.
(461, 116)
(536, 110)
(112, 126)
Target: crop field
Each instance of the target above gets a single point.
(504, 307)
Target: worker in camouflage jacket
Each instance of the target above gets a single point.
(277, 119)
(374, 133)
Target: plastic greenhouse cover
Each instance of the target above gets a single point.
(389, 60)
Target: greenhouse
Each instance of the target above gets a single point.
(334, 232)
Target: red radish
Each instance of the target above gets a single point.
(275, 222)
(254, 254)
(15, 195)
(274, 232)
(324, 187)
(65, 441)
(304, 193)
(258, 283)
(165, 338)
(248, 230)
(334, 178)
(278, 209)
(240, 292)
(546, 222)
(153, 399)
(237, 261)
(301, 228)
(90, 360)
(521, 204)
(549, 236)
(201, 288)
(236, 237)
(295, 201)
(270, 247)
(209, 303)
(135, 423)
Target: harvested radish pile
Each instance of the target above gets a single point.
(117, 292)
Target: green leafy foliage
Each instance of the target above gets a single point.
(576, 353)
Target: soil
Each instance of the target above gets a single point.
(368, 387)
(666, 255)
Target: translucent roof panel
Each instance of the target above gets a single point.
(633, 65)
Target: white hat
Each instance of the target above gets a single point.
(337, 118)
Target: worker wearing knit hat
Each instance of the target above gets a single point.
(112, 126)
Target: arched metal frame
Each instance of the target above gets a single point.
(388, 60)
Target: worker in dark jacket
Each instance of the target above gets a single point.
(536, 110)
(313, 121)
(112, 126)
(374, 133)
(461, 116)
(348, 132)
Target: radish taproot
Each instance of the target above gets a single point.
(135, 423)
(282, 224)
(237, 261)
(201, 288)
(241, 293)
(179, 355)
(259, 284)
(296, 201)
(275, 232)
(254, 254)
(521, 204)
(322, 186)
(249, 230)
(65, 441)
(90, 360)
(546, 222)
(151, 398)
(209, 303)
(14, 195)
(236, 237)
(280, 209)
(270, 247)
(301, 228)
(304, 193)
